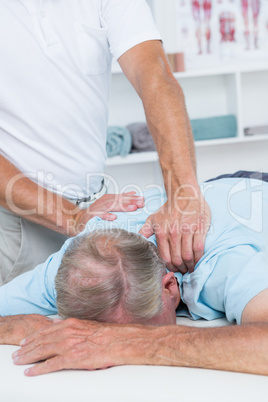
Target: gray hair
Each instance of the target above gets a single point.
(109, 269)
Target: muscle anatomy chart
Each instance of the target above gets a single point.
(251, 9)
(201, 10)
(212, 32)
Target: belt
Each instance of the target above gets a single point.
(84, 203)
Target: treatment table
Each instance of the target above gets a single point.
(131, 383)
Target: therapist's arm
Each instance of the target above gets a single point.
(182, 223)
(74, 344)
(25, 198)
(14, 328)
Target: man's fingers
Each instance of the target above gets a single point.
(49, 348)
(164, 250)
(121, 202)
(198, 246)
(62, 329)
(37, 349)
(54, 364)
(187, 251)
(35, 355)
(30, 339)
(136, 200)
(176, 258)
(51, 330)
(126, 207)
(107, 216)
(147, 229)
(43, 347)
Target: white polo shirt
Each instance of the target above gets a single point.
(55, 62)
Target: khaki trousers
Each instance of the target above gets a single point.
(24, 245)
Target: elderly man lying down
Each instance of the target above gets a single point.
(111, 274)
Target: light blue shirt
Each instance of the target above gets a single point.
(232, 271)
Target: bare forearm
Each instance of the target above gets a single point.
(236, 348)
(14, 328)
(25, 198)
(83, 344)
(191, 141)
(165, 110)
(169, 124)
(7, 332)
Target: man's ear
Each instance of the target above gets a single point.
(170, 284)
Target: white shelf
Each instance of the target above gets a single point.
(141, 157)
(233, 140)
(228, 69)
(148, 157)
(204, 73)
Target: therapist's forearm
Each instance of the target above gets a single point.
(169, 124)
(147, 69)
(25, 198)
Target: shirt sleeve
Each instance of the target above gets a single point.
(239, 275)
(129, 22)
(248, 283)
(34, 291)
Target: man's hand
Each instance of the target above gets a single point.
(14, 328)
(25, 198)
(180, 227)
(182, 243)
(126, 202)
(75, 344)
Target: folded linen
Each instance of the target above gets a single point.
(142, 141)
(214, 127)
(256, 130)
(119, 141)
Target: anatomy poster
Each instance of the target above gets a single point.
(219, 32)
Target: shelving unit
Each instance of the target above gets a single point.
(149, 157)
(238, 89)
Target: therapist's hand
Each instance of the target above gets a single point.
(180, 227)
(14, 328)
(103, 208)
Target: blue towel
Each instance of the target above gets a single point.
(214, 127)
(119, 141)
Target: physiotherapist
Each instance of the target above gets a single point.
(55, 75)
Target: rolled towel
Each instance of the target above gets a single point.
(256, 130)
(119, 141)
(142, 141)
(214, 127)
